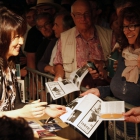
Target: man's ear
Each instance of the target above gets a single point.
(72, 16)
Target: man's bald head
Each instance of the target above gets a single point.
(81, 14)
(78, 3)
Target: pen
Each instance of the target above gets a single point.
(42, 105)
(45, 105)
(111, 58)
(50, 119)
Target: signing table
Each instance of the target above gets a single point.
(66, 133)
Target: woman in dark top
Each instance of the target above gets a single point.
(125, 84)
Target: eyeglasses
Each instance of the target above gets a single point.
(43, 26)
(78, 15)
(131, 27)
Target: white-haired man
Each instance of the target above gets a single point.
(85, 42)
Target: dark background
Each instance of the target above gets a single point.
(21, 5)
(23, 2)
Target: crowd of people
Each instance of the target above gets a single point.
(59, 39)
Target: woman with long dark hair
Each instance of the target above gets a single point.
(125, 85)
(12, 29)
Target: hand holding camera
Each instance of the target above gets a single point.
(92, 65)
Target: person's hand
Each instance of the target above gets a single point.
(59, 72)
(133, 115)
(55, 110)
(102, 72)
(94, 91)
(94, 73)
(58, 79)
(33, 110)
(49, 69)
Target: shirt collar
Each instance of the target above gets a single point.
(77, 34)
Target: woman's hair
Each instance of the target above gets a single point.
(123, 3)
(15, 129)
(132, 15)
(11, 24)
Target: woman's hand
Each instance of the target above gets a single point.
(55, 110)
(33, 110)
(94, 91)
(133, 115)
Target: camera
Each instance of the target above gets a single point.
(92, 65)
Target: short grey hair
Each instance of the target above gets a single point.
(67, 20)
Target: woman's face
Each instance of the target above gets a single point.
(131, 31)
(15, 45)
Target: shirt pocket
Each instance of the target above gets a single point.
(68, 64)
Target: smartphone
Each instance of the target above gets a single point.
(92, 65)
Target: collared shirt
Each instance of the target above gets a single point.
(86, 50)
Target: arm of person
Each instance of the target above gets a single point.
(55, 110)
(31, 110)
(31, 60)
(133, 115)
(94, 73)
(59, 72)
(47, 56)
(49, 69)
(102, 72)
(43, 62)
(94, 91)
(101, 91)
